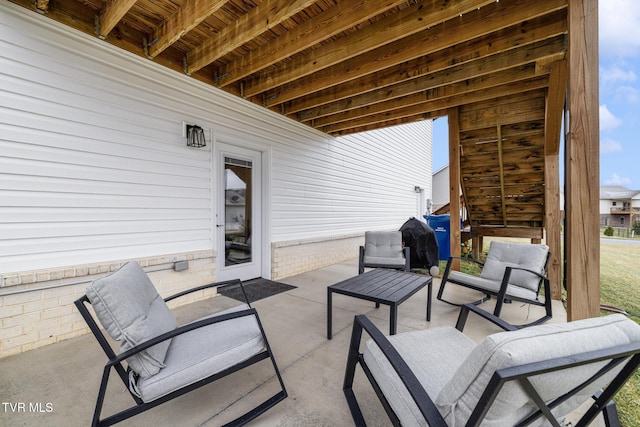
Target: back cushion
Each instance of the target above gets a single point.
(128, 306)
(386, 244)
(503, 254)
(459, 397)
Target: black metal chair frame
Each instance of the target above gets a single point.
(116, 362)
(501, 294)
(603, 401)
(362, 264)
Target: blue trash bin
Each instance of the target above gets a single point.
(441, 224)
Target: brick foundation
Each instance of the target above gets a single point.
(293, 257)
(36, 307)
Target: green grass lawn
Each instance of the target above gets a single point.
(620, 287)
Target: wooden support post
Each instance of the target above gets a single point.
(552, 223)
(454, 183)
(582, 163)
(555, 103)
(476, 246)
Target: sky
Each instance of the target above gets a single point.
(619, 50)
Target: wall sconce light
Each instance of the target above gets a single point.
(194, 134)
(417, 189)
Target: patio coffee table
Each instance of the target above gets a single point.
(382, 286)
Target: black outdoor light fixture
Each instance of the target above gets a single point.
(195, 136)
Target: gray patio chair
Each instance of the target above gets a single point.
(525, 377)
(383, 249)
(512, 271)
(164, 362)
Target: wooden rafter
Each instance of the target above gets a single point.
(406, 109)
(112, 13)
(185, 19)
(455, 56)
(470, 26)
(259, 20)
(311, 32)
(484, 73)
(409, 21)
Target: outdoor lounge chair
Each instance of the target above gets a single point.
(164, 362)
(512, 271)
(526, 377)
(384, 249)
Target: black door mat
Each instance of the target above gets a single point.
(256, 289)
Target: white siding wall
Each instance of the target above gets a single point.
(351, 184)
(93, 166)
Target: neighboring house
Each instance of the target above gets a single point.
(440, 185)
(96, 171)
(619, 206)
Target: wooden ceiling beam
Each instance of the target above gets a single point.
(408, 21)
(531, 31)
(440, 104)
(478, 23)
(260, 19)
(111, 14)
(334, 20)
(388, 123)
(183, 20)
(446, 91)
(554, 107)
(517, 108)
(453, 81)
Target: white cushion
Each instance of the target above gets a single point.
(385, 244)
(128, 306)
(492, 285)
(433, 355)
(503, 254)
(458, 398)
(200, 353)
(382, 261)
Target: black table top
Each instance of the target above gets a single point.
(382, 285)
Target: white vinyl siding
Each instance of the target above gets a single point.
(93, 166)
(351, 184)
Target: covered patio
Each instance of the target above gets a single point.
(507, 74)
(63, 378)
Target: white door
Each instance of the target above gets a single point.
(239, 214)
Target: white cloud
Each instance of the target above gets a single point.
(616, 74)
(608, 146)
(617, 180)
(607, 120)
(629, 94)
(619, 27)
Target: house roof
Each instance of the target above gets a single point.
(617, 192)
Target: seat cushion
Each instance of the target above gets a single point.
(492, 286)
(203, 352)
(503, 254)
(370, 261)
(128, 306)
(433, 355)
(459, 397)
(383, 244)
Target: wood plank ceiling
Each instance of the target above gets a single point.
(350, 66)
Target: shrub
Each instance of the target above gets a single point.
(608, 231)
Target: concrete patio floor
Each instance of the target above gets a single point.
(62, 379)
